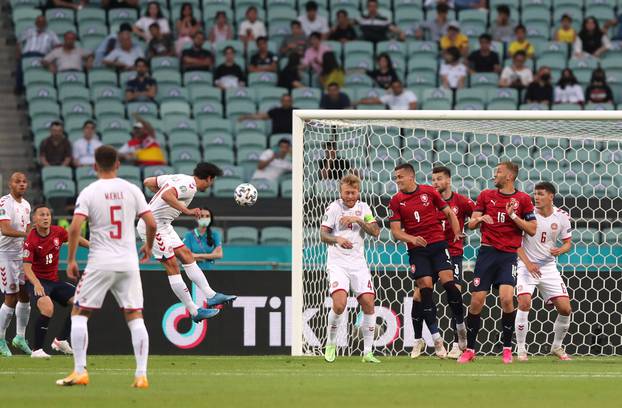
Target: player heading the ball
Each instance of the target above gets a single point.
(537, 268)
(502, 215)
(344, 225)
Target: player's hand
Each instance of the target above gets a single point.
(193, 212)
(418, 241)
(509, 208)
(486, 219)
(534, 270)
(555, 251)
(39, 291)
(348, 219)
(459, 237)
(72, 270)
(144, 253)
(344, 243)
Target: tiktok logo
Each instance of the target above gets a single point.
(177, 313)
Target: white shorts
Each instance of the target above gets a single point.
(126, 288)
(550, 284)
(11, 275)
(165, 243)
(357, 279)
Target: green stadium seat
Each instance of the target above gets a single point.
(261, 79)
(251, 139)
(224, 188)
(183, 138)
(207, 108)
(240, 94)
(49, 173)
(77, 92)
(502, 105)
(175, 121)
(184, 156)
(393, 48)
(112, 123)
(216, 139)
(230, 171)
(276, 236)
(207, 124)
(73, 108)
(116, 138)
(286, 188)
(201, 92)
(59, 14)
(167, 77)
(484, 80)
(106, 93)
(91, 15)
(130, 173)
(38, 77)
(44, 107)
(60, 27)
(117, 16)
(59, 188)
(101, 77)
(473, 95)
(41, 92)
(174, 107)
(145, 109)
(154, 171)
(219, 155)
(248, 156)
(242, 236)
(407, 14)
(109, 108)
(534, 106)
(468, 106)
(164, 64)
(266, 188)
(270, 94)
(198, 78)
(70, 78)
(281, 14)
(236, 109)
(503, 95)
(566, 107)
(600, 106)
(437, 94)
(86, 173)
(169, 92)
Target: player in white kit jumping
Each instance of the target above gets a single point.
(14, 227)
(537, 268)
(111, 205)
(173, 195)
(344, 226)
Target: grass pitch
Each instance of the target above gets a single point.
(282, 381)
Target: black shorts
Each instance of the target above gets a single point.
(59, 292)
(493, 268)
(457, 263)
(429, 260)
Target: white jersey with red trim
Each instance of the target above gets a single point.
(18, 215)
(556, 227)
(185, 188)
(112, 206)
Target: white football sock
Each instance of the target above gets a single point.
(436, 336)
(369, 328)
(521, 324)
(183, 294)
(6, 315)
(560, 328)
(334, 321)
(196, 275)
(140, 342)
(22, 315)
(79, 341)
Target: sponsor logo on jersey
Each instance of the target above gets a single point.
(403, 203)
(476, 282)
(554, 226)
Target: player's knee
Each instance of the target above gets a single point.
(477, 302)
(564, 309)
(367, 304)
(132, 314)
(507, 303)
(524, 303)
(339, 307)
(184, 254)
(10, 300)
(45, 306)
(23, 296)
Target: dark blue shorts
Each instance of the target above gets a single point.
(457, 263)
(493, 268)
(429, 260)
(59, 292)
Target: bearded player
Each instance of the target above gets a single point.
(41, 251)
(344, 226)
(173, 195)
(502, 215)
(537, 268)
(14, 227)
(414, 208)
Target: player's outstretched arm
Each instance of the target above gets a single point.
(477, 218)
(529, 226)
(151, 183)
(72, 243)
(8, 231)
(170, 198)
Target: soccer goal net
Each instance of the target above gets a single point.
(580, 152)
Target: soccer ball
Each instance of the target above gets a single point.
(245, 195)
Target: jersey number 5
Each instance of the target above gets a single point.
(115, 234)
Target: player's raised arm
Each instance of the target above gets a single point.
(478, 216)
(455, 224)
(151, 227)
(72, 243)
(529, 224)
(8, 231)
(170, 197)
(151, 183)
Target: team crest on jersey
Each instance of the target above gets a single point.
(183, 189)
(358, 213)
(335, 284)
(425, 199)
(56, 242)
(26, 253)
(455, 210)
(514, 203)
(519, 288)
(476, 282)
(554, 226)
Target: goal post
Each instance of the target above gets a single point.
(579, 151)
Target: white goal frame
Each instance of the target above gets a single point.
(300, 116)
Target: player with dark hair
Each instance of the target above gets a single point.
(414, 208)
(502, 215)
(41, 251)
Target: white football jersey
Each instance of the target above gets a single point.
(185, 188)
(112, 206)
(18, 215)
(551, 229)
(353, 232)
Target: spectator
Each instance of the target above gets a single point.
(84, 148)
(568, 89)
(435, 29)
(469, 4)
(263, 60)
(502, 28)
(331, 70)
(55, 150)
(430, 4)
(375, 27)
(521, 43)
(221, 31)
(311, 22)
(76, 5)
(396, 98)
(275, 162)
(160, 45)
(516, 75)
(598, 91)
(153, 14)
(110, 4)
(36, 41)
(294, 42)
(540, 90)
(281, 116)
(453, 73)
(384, 74)
(142, 149)
(565, 33)
(229, 74)
(197, 58)
(331, 167)
(142, 87)
(124, 57)
(484, 59)
(204, 242)
(454, 38)
(110, 43)
(251, 28)
(187, 26)
(344, 29)
(315, 53)
(289, 77)
(333, 98)
(68, 57)
(591, 40)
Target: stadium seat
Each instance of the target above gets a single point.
(70, 78)
(169, 92)
(116, 138)
(276, 236)
(224, 187)
(484, 80)
(231, 172)
(49, 173)
(201, 92)
(117, 16)
(236, 109)
(164, 64)
(184, 155)
(43, 107)
(473, 95)
(57, 188)
(112, 123)
(219, 155)
(109, 108)
(167, 77)
(154, 171)
(41, 92)
(179, 138)
(130, 173)
(101, 93)
(266, 188)
(242, 236)
(86, 173)
(286, 188)
(198, 78)
(77, 92)
(207, 108)
(251, 139)
(173, 107)
(147, 110)
(240, 94)
(503, 95)
(260, 79)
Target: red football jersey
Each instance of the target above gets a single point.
(42, 252)
(418, 213)
(503, 234)
(463, 207)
